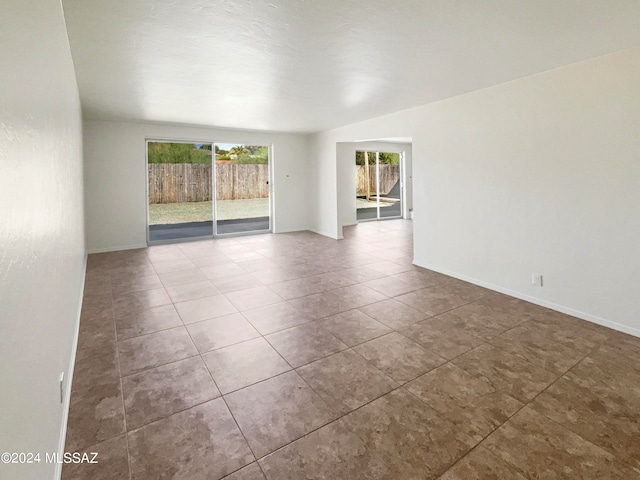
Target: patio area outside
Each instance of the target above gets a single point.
(188, 212)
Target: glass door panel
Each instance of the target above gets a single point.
(242, 189)
(366, 188)
(179, 191)
(389, 187)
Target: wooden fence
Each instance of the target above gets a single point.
(180, 182)
(389, 175)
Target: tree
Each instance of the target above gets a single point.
(385, 158)
(239, 150)
(168, 152)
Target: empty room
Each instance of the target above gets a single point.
(304, 239)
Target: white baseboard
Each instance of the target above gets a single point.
(292, 229)
(116, 249)
(69, 375)
(539, 301)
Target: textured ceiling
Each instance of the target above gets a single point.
(310, 65)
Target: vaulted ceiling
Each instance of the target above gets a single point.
(311, 65)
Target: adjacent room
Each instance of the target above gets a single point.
(253, 240)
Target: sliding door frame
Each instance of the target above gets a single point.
(401, 160)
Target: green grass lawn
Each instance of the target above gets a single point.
(171, 213)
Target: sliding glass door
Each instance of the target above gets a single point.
(378, 185)
(179, 191)
(242, 189)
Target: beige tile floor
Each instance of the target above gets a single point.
(295, 356)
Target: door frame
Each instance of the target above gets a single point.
(401, 160)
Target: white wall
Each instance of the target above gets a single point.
(115, 177)
(346, 177)
(541, 174)
(41, 229)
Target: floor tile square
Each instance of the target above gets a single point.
(204, 308)
(393, 314)
(250, 472)
(441, 336)
(318, 305)
(128, 302)
(234, 283)
(391, 287)
(192, 291)
(299, 287)
(123, 272)
(254, 297)
(171, 279)
(155, 349)
(387, 267)
(436, 299)
(210, 260)
(346, 381)
(125, 285)
(539, 350)
(609, 420)
(277, 411)
(97, 327)
(95, 412)
(304, 344)
(112, 462)
(409, 436)
(332, 451)
(165, 390)
(140, 322)
(471, 403)
(507, 372)
(361, 274)
(202, 443)
(569, 331)
(221, 332)
(243, 364)
(538, 447)
(481, 464)
(174, 265)
(355, 296)
(222, 270)
(273, 318)
(353, 327)
(399, 357)
(482, 320)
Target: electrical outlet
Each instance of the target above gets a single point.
(61, 387)
(536, 279)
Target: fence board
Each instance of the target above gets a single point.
(389, 175)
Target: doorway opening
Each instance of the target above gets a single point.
(242, 189)
(179, 191)
(378, 185)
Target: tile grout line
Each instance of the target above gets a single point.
(124, 408)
